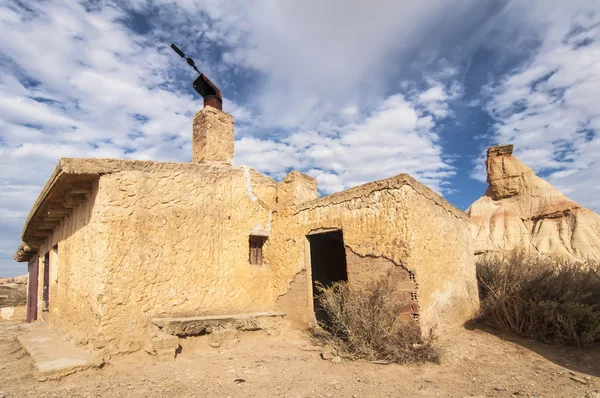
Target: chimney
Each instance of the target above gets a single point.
(212, 139)
(213, 136)
(213, 128)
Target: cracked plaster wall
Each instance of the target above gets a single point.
(405, 223)
(178, 246)
(168, 240)
(77, 271)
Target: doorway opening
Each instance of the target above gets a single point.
(327, 264)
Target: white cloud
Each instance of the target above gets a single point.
(342, 90)
(315, 58)
(548, 107)
(395, 138)
(76, 83)
(435, 98)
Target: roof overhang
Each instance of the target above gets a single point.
(70, 185)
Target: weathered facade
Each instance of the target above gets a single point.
(117, 245)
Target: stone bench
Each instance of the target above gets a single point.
(198, 325)
(220, 329)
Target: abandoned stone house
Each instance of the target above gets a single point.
(116, 246)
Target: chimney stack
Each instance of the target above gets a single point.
(213, 129)
(213, 136)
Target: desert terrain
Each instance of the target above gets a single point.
(13, 291)
(476, 362)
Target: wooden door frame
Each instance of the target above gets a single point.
(46, 283)
(32, 289)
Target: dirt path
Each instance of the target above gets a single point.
(474, 363)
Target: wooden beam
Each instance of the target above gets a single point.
(57, 210)
(72, 201)
(38, 234)
(54, 217)
(79, 191)
(45, 224)
(33, 242)
(78, 197)
(80, 188)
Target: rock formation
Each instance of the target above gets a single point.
(522, 211)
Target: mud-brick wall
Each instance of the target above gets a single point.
(294, 303)
(178, 246)
(397, 219)
(364, 270)
(76, 271)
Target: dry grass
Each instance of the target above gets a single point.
(549, 300)
(365, 324)
(12, 296)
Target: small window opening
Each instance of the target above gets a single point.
(256, 253)
(411, 275)
(414, 316)
(414, 296)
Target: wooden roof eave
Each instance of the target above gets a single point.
(63, 191)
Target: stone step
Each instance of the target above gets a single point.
(53, 355)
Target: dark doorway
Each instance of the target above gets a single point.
(32, 289)
(327, 264)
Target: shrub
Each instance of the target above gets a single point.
(364, 323)
(549, 300)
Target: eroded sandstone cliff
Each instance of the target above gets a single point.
(522, 211)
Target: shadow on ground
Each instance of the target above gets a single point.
(584, 360)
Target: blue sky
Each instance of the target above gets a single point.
(346, 91)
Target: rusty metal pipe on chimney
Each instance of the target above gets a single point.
(211, 93)
(203, 86)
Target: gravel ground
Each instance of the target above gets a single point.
(474, 363)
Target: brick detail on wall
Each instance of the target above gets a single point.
(365, 269)
(295, 304)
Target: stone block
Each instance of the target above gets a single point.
(190, 326)
(164, 346)
(223, 338)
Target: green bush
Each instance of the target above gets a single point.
(364, 323)
(541, 298)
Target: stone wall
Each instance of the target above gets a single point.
(76, 271)
(178, 241)
(172, 239)
(295, 302)
(395, 221)
(441, 255)
(364, 270)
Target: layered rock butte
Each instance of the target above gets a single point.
(522, 211)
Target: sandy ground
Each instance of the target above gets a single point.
(475, 363)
